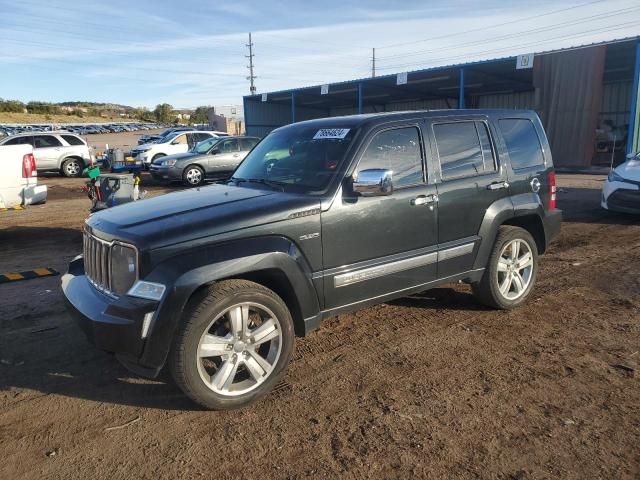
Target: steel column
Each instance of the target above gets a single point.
(461, 93)
(634, 121)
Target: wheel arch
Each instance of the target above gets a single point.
(63, 158)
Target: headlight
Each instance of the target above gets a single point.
(124, 268)
(168, 163)
(614, 177)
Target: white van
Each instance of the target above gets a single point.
(19, 177)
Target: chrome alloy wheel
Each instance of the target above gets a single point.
(239, 349)
(194, 176)
(515, 269)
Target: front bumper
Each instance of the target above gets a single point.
(112, 325)
(167, 174)
(621, 197)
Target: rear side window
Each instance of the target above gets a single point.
(464, 149)
(397, 150)
(72, 140)
(248, 143)
(45, 141)
(522, 142)
(227, 146)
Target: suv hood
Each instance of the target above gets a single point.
(195, 213)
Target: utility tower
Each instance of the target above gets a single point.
(251, 77)
(373, 64)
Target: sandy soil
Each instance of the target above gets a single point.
(431, 386)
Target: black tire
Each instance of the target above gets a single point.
(487, 290)
(72, 167)
(157, 156)
(193, 176)
(202, 310)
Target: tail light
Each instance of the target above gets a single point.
(552, 190)
(29, 166)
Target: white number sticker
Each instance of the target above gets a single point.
(331, 133)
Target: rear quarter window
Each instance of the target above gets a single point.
(72, 140)
(523, 143)
(464, 149)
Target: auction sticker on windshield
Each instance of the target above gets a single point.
(323, 133)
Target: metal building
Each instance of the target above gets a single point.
(586, 96)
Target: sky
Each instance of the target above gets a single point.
(189, 53)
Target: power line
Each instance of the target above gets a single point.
(518, 34)
(484, 28)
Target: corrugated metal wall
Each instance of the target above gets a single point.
(262, 117)
(517, 100)
(616, 99)
(437, 104)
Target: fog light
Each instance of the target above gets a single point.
(147, 323)
(148, 290)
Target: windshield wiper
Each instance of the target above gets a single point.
(263, 181)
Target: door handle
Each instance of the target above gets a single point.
(497, 185)
(425, 199)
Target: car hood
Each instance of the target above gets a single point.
(178, 156)
(195, 213)
(629, 170)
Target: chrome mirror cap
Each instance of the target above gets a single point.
(374, 182)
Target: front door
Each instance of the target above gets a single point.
(226, 156)
(374, 246)
(470, 180)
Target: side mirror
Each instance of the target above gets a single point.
(630, 156)
(214, 151)
(374, 182)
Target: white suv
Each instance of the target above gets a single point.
(55, 151)
(176, 142)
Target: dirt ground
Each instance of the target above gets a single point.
(429, 386)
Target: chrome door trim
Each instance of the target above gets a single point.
(368, 273)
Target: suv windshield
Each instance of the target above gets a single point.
(299, 158)
(205, 145)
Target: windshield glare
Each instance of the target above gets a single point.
(300, 158)
(205, 145)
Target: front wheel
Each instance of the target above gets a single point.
(511, 272)
(233, 345)
(193, 176)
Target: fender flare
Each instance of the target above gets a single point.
(259, 255)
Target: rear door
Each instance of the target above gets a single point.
(48, 151)
(470, 179)
(529, 161)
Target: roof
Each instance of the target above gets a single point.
(497, 74)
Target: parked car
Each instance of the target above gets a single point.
(321, 218)
(212, 159)
(60, 151)
(146, 138)
(19, 177)
(176, 142)
(621, 189)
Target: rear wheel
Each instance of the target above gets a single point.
(511, 273)
(72, 167)
(233, 346)
(193, 176)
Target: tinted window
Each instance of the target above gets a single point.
(202, 136)
(227, 146)
(522, 142)
(488, 155)
(19, 141)
(397, 150)
(248, 143)
(459, 149)
(45, 141)
(180, 139)
(72, 140)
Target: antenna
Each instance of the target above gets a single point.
(373, 65)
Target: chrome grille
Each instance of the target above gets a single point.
(97, 262)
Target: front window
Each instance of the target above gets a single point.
(204, 146)
(299, 158)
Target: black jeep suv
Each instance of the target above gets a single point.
(322, 217)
